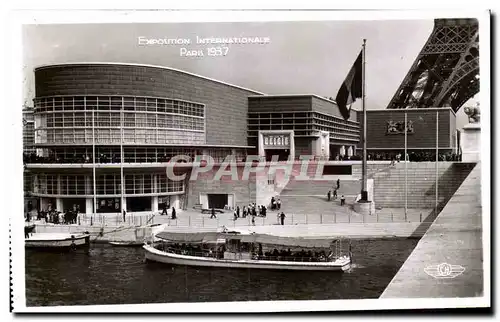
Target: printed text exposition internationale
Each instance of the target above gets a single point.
(220, 48)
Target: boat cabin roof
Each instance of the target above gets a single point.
(207, 237)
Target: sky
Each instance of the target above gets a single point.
(301, 57)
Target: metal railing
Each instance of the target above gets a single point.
(198, 220)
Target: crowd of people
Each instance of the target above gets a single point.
(258, 254)
(200, 250)
(55, 217)
(399, 156)
(255, 210)
(115, 158)
(296, 256)
(101, 158)
(335, 194)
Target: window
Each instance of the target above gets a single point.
(129, 119)
(116, 103)
(140, 120)
(151, 120)
(140, 104)
(151, 104)
(103, 103)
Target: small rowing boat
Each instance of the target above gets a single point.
(126, 243)
(57, 240)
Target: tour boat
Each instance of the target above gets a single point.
(57, 240)
(246, 250)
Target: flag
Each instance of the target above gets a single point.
(351, 88)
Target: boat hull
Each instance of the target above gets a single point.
(152, 254)
(53, 242)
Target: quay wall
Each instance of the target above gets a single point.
(455, 238)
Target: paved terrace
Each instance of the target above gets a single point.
(386, 224)
(454, 238)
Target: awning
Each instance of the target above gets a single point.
(188, 237)
(204, 237)
(294, 241)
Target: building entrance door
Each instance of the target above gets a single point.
(281, 153)
(218, 201)
(135, 204)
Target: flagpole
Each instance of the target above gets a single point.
(364, 191)
(93, 163)
(437, 157)
(406, 165)
(121, 162)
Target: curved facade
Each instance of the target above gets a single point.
(168, 95)
(153, 113)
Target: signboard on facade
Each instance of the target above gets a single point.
(277, 141)
(399, 127)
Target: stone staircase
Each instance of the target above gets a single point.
(421, 188)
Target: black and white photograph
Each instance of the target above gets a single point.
(250, 161)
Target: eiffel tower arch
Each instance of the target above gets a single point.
(446, 71)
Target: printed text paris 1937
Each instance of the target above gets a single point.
(203, 46)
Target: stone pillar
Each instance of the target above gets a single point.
(230, 201)
(124, 205)
(471, 142)
(59, 190)
(59, 204)
(154, 204)
(89, 205)
(342, 150)
(327, 145)
(88, 185)
(292, 144)
(262, 153)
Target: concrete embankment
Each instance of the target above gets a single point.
(455, 238)
(352, 230)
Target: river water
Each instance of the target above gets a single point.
(114, 275)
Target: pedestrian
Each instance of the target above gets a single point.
(273, 203)
(124, 215)
(174, 213)
(329, 195)
(253, 220)
(238, 211)
(342, 200)
(235, 216)
(335, 194)
(282, 216)
(338, 183)
(279, 203)
(164, 211)
(244, 211)
(264, 211)
(213, 213)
